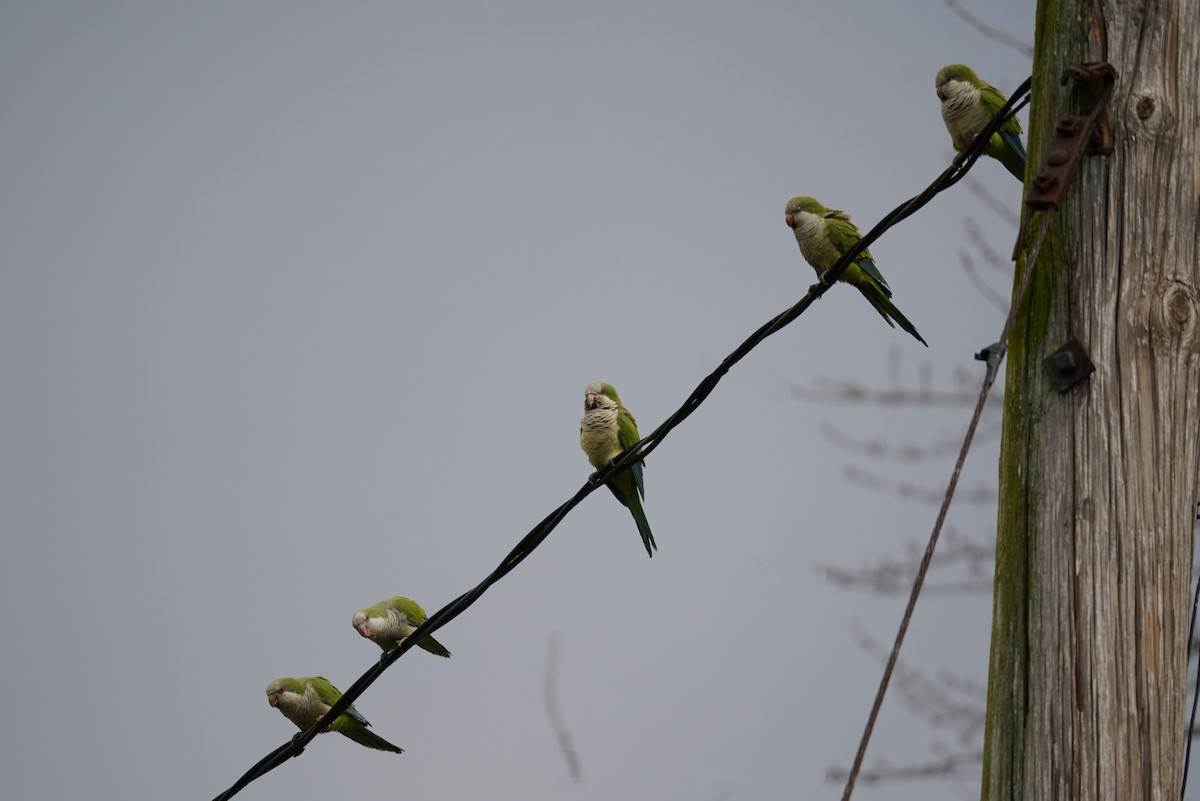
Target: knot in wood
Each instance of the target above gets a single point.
(1145, 108)
(1087, 510)
(1179, 311)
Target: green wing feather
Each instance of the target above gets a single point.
(1005, 145)
(627, 432)
(329, 695)
(325, 691)
(627, 436)
(992, 101)
(350, 723)
(863, 273)
(416, 616)
(843, 235)
(409, 608)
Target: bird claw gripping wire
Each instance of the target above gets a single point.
(297, 748)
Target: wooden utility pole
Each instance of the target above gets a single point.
(1098, 486)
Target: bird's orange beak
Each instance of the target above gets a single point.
(363, 630)
(273, 700)
(589, 401)
(787, 218)
(939, 94)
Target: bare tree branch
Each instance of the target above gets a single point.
(892, 576)
(988, 31)
(980, 495)
(1002, 209)
(948, 766)
(993, 258)
(956, 705)
(950, 703)
(982, 287)
(909, 452)
(964, 389)
(574, 765)
(849, 391)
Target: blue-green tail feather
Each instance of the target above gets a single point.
(627, 487)
(359, 733)
(889, 311)
(1012, 154)
(643, 525)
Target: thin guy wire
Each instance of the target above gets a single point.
(995, 355)
(958, 168)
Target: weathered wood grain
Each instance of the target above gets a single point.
(1098, 487)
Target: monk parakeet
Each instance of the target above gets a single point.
(607, 428)
(391, 620)
(968, 104)
(303, 702)
(824, 235)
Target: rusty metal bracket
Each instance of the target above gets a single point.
(1091, 88)
(1091, 91)
(1087, 131)
(1068, 365)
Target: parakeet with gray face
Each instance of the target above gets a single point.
(391, 620)
(824, 235)
(303, 701)
(607, 429)
(968, 104)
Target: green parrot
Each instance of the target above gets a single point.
(303, 701)
(968, 104)
(607, 429)
(391, 620)
(824, 235)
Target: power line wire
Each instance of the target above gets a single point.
(958, 168)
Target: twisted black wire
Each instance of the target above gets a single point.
(958, 168)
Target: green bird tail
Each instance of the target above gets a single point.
(879, 299)
(1014, 162)
(626, 487)
(362, 735)
(639, 517)
(433, 646)
(1006, 148)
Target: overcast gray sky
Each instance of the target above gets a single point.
(297, 305)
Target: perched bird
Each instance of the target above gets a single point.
(608, 428)
(391, 620)
(824, 235)
(303, 701)
(968, 104)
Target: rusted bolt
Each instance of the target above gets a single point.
(1069, 126)
(1061, 360)
(1045, 183)
(1068, 365)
